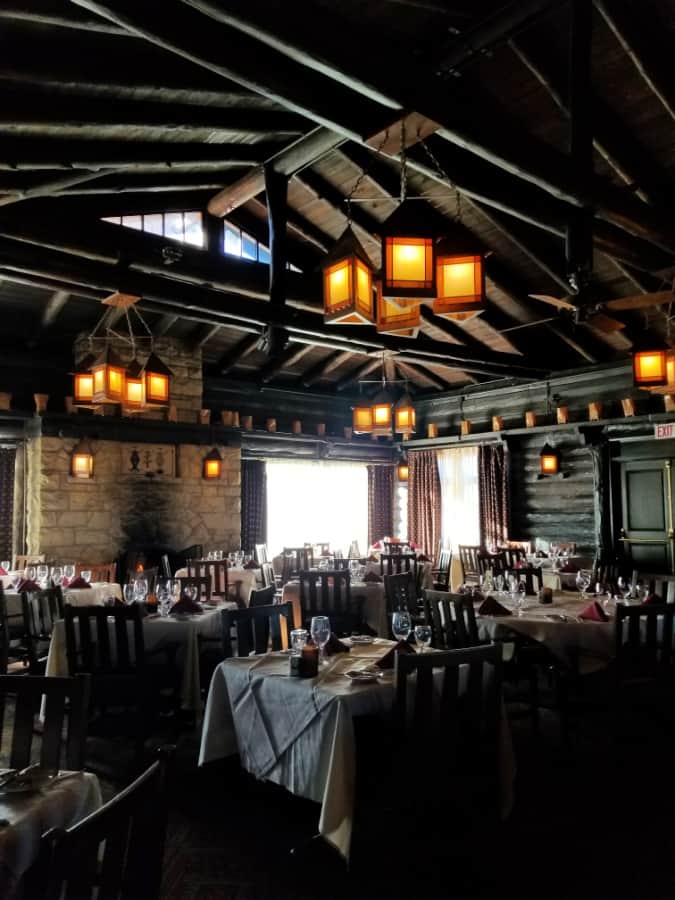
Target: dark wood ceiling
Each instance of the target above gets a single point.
(111, 108)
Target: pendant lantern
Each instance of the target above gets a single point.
(408, 255)
(213, 464)
(83, 381)
(460, 283)
(134, 388)
(402, 471)
(382, 409)
(393, 319)
(362, 419)
(157, 377)
(108, 373)
(348, 283)
(549, 460)
(404, 415)
(650, 362)
(82, 460)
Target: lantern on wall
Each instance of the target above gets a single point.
(347, 283)
(549, 460)
(82, 460)
(134, 388)
(213, 465)
(83, 381)
(404, 415)
(650, 362)
(460, 283)
(392, 318)
(402, 470)
(108, 373)
(157, 377)
(408, 255)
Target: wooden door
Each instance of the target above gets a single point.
(647, 514)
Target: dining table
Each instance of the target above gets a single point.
(182, 631)
(26, 816)
(97, 594)
(299, 732)
(581, 644)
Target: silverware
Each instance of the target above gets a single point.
(9, 776)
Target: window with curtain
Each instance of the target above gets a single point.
(460, 508)
(7, 460)
(316, 501)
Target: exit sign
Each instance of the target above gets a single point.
(666, 430)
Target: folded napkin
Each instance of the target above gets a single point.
(653, 598)
(251, 564)
(492, 607)
(3, 572)
(335, 645)
(377, 545)
(594, 613)
(477, 596)
(568, 567)
(423, 558)
(389, 659)
(541, 555)
(27, 585)
(373, 576)
(78, 583)
(186, 607)
(373, 558)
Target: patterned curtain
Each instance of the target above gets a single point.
(7, 457)
(253, 504)
(424, 501)
(493, 493)
(380, 503)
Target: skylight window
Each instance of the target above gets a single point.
(237, 242)
(186, 227)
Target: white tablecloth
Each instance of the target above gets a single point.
(158, 632)
(31, 815)
(299, 732)
(94, 595)
(240, 582)
(580, 644)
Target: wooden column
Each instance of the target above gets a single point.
(276, 189)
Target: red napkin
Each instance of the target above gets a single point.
(251, 564)
(423, 558)
(28, 585)
(492, 607)
(653, 598)
(335, 645)
(3, 572)
(594, 613)
(78, 583)
(568, 567)
(186, 607)
(389, 659)
(373, 576)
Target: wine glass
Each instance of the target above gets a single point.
(29, 573)
(499, 583)
(513, 584)
(140, 589)
(85, 574)
(17, 578)
(6, 565)
(69, 572)
(520, 597)
(423, 636)
(583, 581)
(42, 575)
(401, 625)
(57, 575)
(164, 600)
(320, 631)
(190, 593)
(129, 593)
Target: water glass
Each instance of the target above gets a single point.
(140, 589)
(499, 583)
(85, 574)
(164, 600)
(298, 640)
(29, 573)
(69, 571)
(583, 581)
(520, 598)
(320, 631)
(423, 636)
(6, 565)
(129, 593)
(57, 575)
(401, 625)
(42, 575)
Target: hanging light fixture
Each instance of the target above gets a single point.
(549, 460)
(109, 374)
(394, 319)
(362, 419)
(157, 377)
(348, 283)
(82, 460)
(213, 464)
(83, 381)
(650, 361)
(404, 415)
(460, 281)
(134, 388)
(402, 470)
(408, 255)
(382, 409)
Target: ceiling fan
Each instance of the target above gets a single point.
(596, 318)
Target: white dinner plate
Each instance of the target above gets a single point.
(363, 676)
(361, 639)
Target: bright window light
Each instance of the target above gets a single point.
(186, 227)
(458, 473)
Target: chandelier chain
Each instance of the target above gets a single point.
(441, 171)
(363, 174)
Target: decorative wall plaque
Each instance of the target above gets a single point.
(148, 460)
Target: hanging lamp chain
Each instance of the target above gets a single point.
(404, 165)
(444, 175)
(363, 174)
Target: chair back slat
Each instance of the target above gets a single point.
(327, 592)
(263, 597)
(99, 657)
(268, 577)
(494, 561)
(397, 563)
(533, 578)
(257, 629)
(100, 572)
(215, 569)
(644, 641)
(261, 554)
(512, 556)
(40, 610)
(468, 557)
(453, 618)
(201, 582)
(400, 592)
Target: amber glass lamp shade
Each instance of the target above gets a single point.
(82, 460)
(402, 471)
(382, 409)
(157, 377)
(347, 283)
(134, 388)
(83, 387)
(404, 415)
(460, 285)
(407, 255)
(392, 318)
(213, 465)
(549, 460)
(362, 419)
(650, 367)
(109, 374)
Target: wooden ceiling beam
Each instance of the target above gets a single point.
(164, 325)
(47, 188)
(234, 355)
(423, 372)
(202, 334)
(58, 15)
(645, 46)
(325, 367)
(284, 360)
(358, 372)
(325, 191)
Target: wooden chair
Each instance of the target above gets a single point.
(321, 549)
(530, 575)
(397, 547)
(261, 554)
(105, 572)
(512, 556)
(400, 592)
(441, 570)
(215, 569)
(645, 643)
(264, 597)
(661, 585)
(40, 610)
(116, 852)
(4, 636)
(201, 582)
(257, 629)
(268, 577)
(453, 620)
(396, 563)
(494, 561)
(29, 559)
(468, 558)
(327, 592)
(64, 728)
(296, 559)
(183, 557)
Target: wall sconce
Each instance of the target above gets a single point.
(82, 460)
(402, 471)
(213, 464)
(549, 462)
